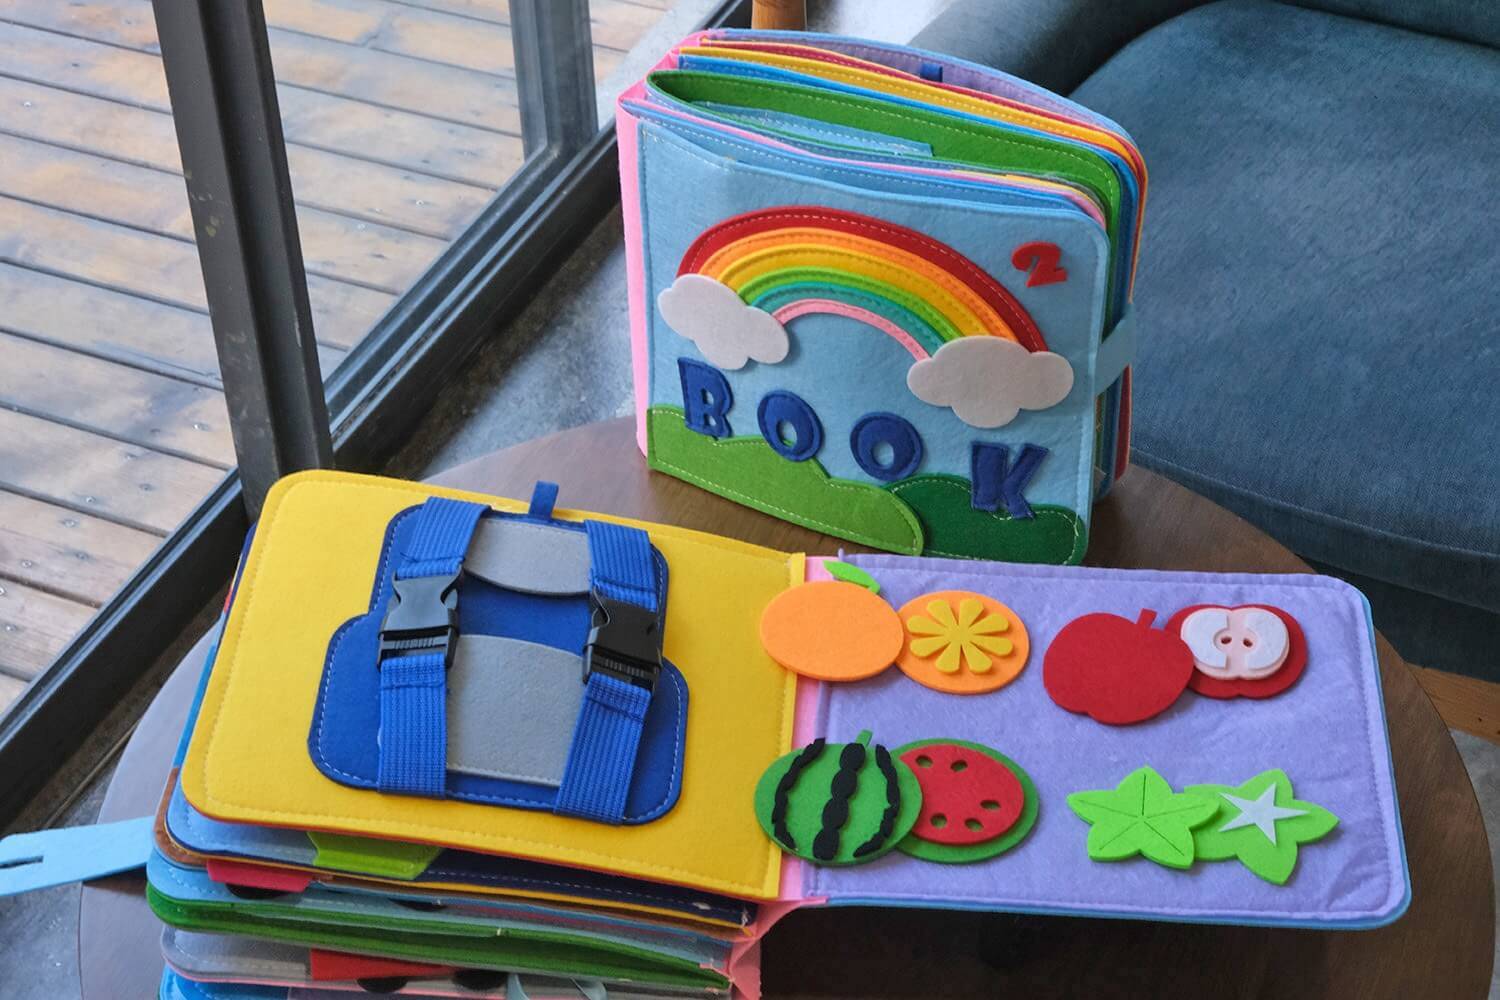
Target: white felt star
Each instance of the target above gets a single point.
(1262, 812)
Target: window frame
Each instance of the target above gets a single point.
(220, 77)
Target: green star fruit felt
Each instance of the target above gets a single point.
(1142, 815)
(1262, 823)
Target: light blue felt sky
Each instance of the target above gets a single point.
(843, 368)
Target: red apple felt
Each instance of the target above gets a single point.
(1115, 670)
(1264, 687)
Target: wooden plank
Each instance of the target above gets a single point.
(358, 188)
(606, 61)
(429, 89)
(83, 66)
(123, 483)
(429, 30)
(336, 124)
(67, 553)
(397, 138)
(34, 627)
(126, 403)
(107, 323)
(481, 46)
(93, 185)
(618, 25)
(306, 55)
(10, 690)
(498, 11)
(334, 246)
(1465, 703)
(354, 22)
(158, 267)
(116, 326)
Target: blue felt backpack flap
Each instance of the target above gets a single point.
(518, 729)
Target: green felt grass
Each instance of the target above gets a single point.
(748, 471)
(954, 528)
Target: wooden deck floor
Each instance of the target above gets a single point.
(401, 123)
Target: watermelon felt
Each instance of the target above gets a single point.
(838, 803)
(977, 803)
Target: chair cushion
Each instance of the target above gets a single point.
(1467, 20)
(1319, 286)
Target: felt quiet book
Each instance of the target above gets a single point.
(880, 292)
(450, 744)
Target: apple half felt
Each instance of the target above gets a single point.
(1263, 686)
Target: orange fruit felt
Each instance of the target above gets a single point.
(961, 642)
(831, 631)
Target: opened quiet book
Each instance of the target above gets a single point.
(454, 745)
(450, 743)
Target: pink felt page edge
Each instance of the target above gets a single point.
(744, 958)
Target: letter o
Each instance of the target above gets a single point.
(779, 407)
(896, 433)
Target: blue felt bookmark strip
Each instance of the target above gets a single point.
(49, 858)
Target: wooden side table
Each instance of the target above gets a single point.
(1442, 947)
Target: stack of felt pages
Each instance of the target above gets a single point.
(453, 745)
(881, 292)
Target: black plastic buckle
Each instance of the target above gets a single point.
(421, 618)
(624, 643)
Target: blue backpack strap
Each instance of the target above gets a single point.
(416, 647)
(621, 664)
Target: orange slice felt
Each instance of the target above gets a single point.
(961, 642)
(831, 631)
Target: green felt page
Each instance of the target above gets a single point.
(512, 951)
(992, 147)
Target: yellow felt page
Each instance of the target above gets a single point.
(312, 566)
(919, 91)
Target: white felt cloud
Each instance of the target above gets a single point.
(988, 380)
(729, 333)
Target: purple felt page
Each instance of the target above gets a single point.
(1327, 732)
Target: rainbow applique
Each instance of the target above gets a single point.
(792, 261)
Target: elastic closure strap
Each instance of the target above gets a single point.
(621, 664)
(1116, 352)
(416, 646)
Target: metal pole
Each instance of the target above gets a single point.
(219, 76)
(554, 56)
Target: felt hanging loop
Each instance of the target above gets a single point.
(416, 644)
